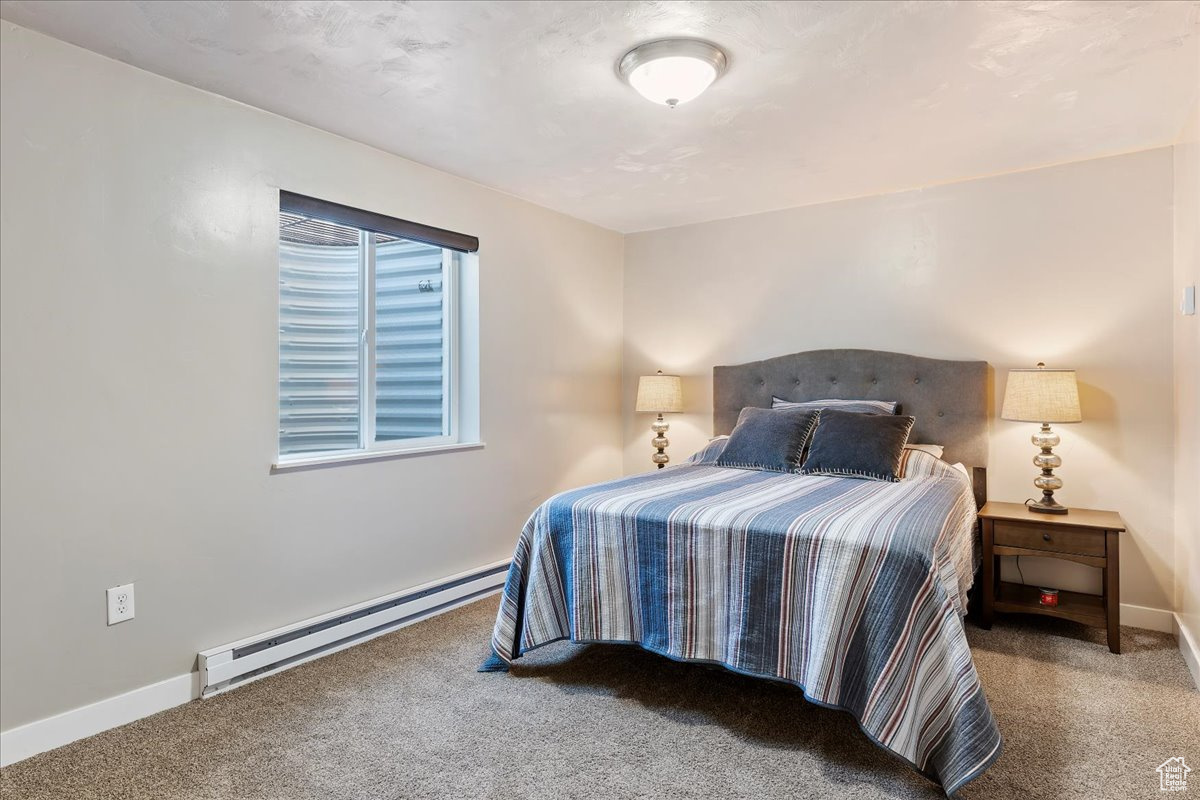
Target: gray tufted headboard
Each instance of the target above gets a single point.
(948, 398)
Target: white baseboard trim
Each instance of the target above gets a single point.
(1189, 648)
(1152, 619)
(18, 744)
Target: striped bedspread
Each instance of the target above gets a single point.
(852, 590)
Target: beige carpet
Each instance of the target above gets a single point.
(407, 716)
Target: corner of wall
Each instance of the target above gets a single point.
(1186, 391)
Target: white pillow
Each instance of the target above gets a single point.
(935, 450)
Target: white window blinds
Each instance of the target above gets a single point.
(366, 338)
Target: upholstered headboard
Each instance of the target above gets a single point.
(948, 398)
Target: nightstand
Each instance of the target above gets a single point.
(1082, 535)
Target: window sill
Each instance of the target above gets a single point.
(322, 460)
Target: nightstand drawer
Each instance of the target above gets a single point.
(1055, 540)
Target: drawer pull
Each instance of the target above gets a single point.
(1049, 539)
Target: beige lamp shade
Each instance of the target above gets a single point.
(659, 393)
(1041, 395)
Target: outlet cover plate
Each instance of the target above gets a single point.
(120, 603)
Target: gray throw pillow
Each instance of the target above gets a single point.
(768, 439)
(852, 445)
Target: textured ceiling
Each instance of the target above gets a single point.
(822, 100)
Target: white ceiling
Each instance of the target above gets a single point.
(822, 100)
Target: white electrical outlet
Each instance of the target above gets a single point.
(120, 603)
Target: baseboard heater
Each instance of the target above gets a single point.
(232, 665)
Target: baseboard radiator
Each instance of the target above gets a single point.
(232, 665)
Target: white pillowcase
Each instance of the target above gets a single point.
(935, 450)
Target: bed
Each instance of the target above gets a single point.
(852, 590)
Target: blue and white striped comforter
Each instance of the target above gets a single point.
(852, 590)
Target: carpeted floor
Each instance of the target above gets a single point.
(407, 716)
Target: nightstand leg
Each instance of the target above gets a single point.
(989, 577)
(1112, 590)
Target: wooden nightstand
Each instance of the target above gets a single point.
(1084, 536)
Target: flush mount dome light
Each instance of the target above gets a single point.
(672, 71)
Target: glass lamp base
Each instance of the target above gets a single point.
(1048, 482)
(660, 427)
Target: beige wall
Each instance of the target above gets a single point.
(1187, 385)
(1070, 265)
(137, 410)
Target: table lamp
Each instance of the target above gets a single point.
(1045, 396)
(662, 394)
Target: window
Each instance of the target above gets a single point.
(369, 326)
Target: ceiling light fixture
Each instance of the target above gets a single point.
(672, 71)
